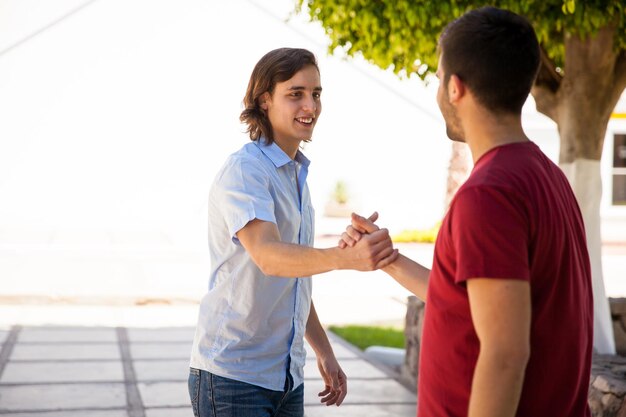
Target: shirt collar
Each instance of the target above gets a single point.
(278, 157)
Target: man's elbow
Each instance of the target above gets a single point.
(270, 268)
(520, 357)
(267, 268)
(514, 358)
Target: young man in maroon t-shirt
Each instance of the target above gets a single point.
(509, 307)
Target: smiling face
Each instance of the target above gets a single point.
(293, 108)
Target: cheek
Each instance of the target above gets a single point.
(271, 116)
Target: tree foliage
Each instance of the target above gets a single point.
(402, 34)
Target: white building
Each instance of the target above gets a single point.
(614, 177)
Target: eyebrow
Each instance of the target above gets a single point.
(297, 87)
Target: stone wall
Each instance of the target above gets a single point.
(607, 388)
(412, 337)
(618, 314)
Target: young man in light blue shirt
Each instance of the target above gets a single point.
(248, 353)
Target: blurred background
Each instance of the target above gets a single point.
(115, 116)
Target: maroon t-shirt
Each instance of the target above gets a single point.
(516, 217)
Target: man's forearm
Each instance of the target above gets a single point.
(410, 274)
(293, 261)
(315, 334)
(497, 385)
(277, 258)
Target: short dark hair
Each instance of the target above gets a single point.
(274, 67)
(495, 53)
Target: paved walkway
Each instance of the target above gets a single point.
(52, 371)
(104, 330)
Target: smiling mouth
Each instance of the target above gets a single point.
(305, 120)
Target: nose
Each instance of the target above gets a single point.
(310, 103)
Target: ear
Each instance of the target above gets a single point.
(264, 99)
(456, 88)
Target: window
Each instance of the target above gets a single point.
(619, 170)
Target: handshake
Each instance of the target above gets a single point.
(365, 246)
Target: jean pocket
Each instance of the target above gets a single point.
(193, 385)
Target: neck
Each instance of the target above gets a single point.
(486, 131)
(291, 149)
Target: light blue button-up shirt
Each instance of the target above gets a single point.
(250, 324)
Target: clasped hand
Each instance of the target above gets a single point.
(363, 233)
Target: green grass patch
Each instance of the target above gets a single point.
(365, 336)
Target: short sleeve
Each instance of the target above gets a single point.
(242, 193)
(491, 234)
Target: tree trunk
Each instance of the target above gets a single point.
(583, 116)
(580, 101)
(459, 169)
(584, 176)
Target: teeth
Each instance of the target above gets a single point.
(305, 119)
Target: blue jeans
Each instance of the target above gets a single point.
(216, 396)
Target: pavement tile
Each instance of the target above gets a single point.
(351, 410)
(160, 394)
(81, 413)
(161, 363)
(386, 391)
(169, 412)
(176, 350)
(162, 370)
(165, 334)
(110, 316)
(353, 368)
(61, 351)
(67, 334)
(44, 372)
(62, 397)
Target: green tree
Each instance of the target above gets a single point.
(582, 76)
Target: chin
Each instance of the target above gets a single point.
(456, 139)
(454, 136)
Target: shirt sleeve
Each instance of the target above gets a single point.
(243, 193)
(491, 235)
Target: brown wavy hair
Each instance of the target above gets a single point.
(274, 67)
